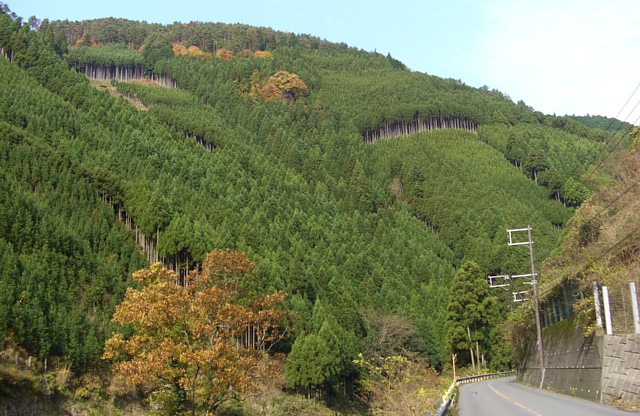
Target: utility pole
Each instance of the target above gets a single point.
(529, 242)
(504, 282)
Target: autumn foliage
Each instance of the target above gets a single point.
(398, 385)
(289, 85)
(201, 340)
(281, 86)
(192, 51)
(224, 54)
(262, 54)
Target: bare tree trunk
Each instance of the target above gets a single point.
(473, 361)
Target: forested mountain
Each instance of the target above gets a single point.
(602, 123)
(601, 246)
(126, 143)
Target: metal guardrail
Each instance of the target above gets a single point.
(447, 397)
(483, 377)
(446, 400)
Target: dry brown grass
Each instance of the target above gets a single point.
(602, 242)
(106, 86)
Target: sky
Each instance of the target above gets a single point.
(558, 56)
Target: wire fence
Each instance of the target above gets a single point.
(617, 308)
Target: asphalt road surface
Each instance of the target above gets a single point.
(503, 396)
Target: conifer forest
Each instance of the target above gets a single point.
(207, 218)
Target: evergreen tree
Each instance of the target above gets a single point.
(573, 192)
(469, 314)
(156, 47)
(292, 184)
(536, 160)
(310, 364)
(360, 196)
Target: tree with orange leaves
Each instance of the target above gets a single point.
(287, 86)
(198, 341)
(224, 54)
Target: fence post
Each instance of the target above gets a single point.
(607, 310)
(596, 301)
(634, 307)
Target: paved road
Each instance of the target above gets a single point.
(503, 396)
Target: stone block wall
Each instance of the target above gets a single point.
(621, 369)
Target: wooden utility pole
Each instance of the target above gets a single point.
(534, 284)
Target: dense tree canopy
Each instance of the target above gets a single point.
(358, 236)
(472, 318)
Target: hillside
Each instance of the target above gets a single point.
(127, 143)
(602, 238)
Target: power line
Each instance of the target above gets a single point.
(599, 257)
(625, 238)
(616, 118)
(610, 204)
(607, 143)
(624, 192)
(593, 155)
(611, 149)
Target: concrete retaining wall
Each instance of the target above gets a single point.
(599, 368)
(573, 362)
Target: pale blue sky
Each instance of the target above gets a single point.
(559, 56)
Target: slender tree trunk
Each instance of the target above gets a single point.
(473, 361)
(193, 392)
